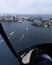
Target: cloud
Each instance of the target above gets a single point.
(41, 7)
(26, 6)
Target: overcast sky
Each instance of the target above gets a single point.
(26, 6)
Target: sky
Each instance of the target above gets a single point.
(25, 6)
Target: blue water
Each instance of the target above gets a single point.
(6, 57)
(22, 36)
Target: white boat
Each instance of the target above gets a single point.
(20, 21)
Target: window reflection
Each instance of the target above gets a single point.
(26, 57)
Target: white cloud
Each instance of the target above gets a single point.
(26, 6)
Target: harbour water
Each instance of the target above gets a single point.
(21, 35)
